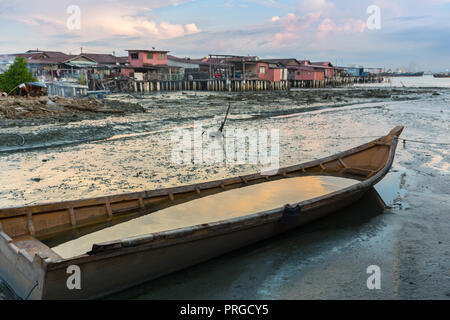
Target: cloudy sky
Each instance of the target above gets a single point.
(413, 34)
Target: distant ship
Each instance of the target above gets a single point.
(441, 75)
(405, 74)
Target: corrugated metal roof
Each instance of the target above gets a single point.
(101, 58)
(182, 60)
(322, 64)
(283, 61)
(44, 57)
(304, 68)
(145, 50)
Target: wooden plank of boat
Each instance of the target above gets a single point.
(33, 269)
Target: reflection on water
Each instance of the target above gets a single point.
(257, 271)
(221, 206)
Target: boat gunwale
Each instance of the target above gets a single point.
(187, 234)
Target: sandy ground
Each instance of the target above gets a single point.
(409, 241)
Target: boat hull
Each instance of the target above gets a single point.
(407, 74)
(112, 274)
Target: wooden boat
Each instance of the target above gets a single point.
(441, 75)
(405, 74)
(33, 270)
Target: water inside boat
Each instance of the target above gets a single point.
(217, 207)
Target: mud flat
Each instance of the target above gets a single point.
(409, 240)
(36, 123)
(56, 109)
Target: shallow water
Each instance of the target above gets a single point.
(218, 207)
(427, 81)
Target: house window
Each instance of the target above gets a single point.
(162, 56)
(262, 70)
(309, 73)
(149, 55)
(298, 73)
(134, 56)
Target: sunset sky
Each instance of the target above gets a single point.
(414, 33)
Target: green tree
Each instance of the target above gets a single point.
(82, 80)
(17, 74)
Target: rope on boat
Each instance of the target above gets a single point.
(425, 142)
(31, 291)
(17, 135)
(401, 139)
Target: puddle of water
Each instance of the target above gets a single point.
(391, 189)
(221, 206)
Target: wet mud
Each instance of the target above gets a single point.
(408, 239)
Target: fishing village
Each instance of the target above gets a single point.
(206, 173)
(145, 71)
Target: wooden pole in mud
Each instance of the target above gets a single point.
(226, 117)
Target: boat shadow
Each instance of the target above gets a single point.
(242, 274)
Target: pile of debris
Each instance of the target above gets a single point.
(13, 107)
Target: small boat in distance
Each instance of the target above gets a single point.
(404, 74)
(442, 75)
(34, 270)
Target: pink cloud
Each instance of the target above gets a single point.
(346, 26)
(293, 26)
(326, 26)
(284, 37)
(99, 20)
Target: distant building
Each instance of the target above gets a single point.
(55, 65)
(45, 65)
(97, 66)
(327, 67)
(189, 68)
(354, 71)
(151, 65)
(186, 63)
(299, 70)
(302, 73)
(277, 72)
(253, 68)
